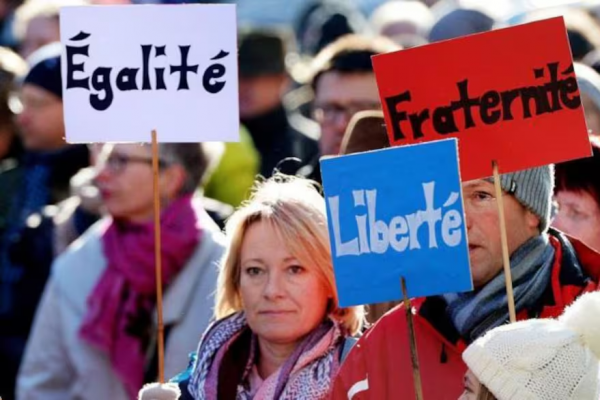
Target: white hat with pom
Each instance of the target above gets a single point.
(156, 391)
(542, 359)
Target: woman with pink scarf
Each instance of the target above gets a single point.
(279, 332)
(94, 332)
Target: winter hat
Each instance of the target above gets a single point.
(542, 359)
(156, 391)
(262, 51)
(460, 22)
(45, 69)
(533, 188)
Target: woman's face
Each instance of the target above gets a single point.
(579, 216)
(125, 181)
(472, 385)
(283, 299)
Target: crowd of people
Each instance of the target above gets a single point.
(250, 306)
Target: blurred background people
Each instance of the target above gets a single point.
(233, 174)
(407, 22)
(12, 67)
(42, 175)
(95, 333)
(588, 81)
(343, 83)
(577, 195)
(263, 80)
(36, 23)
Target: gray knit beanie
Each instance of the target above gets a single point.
(533, 188)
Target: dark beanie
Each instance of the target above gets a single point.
(45, 71)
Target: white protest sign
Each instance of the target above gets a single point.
(128, 70)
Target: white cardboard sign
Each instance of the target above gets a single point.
(128, 70)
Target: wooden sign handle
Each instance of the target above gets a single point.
(158, 260)
(504, 239)
(413, 343)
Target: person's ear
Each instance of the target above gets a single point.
(532, 220)
(172, 181)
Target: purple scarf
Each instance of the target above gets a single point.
(307, 374)
(127, 289)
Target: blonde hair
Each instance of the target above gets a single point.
(296, 210)
(485, 394)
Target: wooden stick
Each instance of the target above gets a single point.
(157, 255)
(504, 239)
(413, 343)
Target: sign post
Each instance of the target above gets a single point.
(504, 238)
(414, 356)
(158, 260)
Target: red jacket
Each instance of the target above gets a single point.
(379, 366)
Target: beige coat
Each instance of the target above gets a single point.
(58, 365)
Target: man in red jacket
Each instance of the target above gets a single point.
(549, 271)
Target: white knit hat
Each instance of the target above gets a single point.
(542, 359)
(156, 391)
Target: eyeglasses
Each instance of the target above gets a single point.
(33, 103)
(117, 163)
(331, 112)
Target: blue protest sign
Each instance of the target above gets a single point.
(397, 212)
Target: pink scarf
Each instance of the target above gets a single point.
(127, 289)
(307, 374)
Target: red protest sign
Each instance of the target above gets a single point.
(508, 95)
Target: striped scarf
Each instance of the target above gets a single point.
(475, 313)
(307, 374)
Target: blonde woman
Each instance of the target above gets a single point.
(279, 332)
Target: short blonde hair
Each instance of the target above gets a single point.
(296, 210)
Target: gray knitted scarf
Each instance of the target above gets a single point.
(474, 313)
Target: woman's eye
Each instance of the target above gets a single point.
(576, 215)
(295, 269)
(253, 271)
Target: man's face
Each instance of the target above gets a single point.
(338, 96)
(41, 120)
(260, 94)
(39, 32)
(483, 228)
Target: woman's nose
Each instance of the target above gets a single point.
(274, 286)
